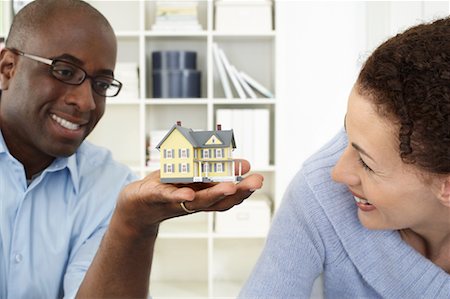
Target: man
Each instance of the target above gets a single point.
(62, 197)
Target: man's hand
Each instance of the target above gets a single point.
(145, 203)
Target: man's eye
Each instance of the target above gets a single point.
(102, 85)
(63, 73)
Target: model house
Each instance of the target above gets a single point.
(198, 156)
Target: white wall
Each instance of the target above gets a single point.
(318, 45)
(320, 48)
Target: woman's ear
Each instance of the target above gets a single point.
(444, 191)
(7, 67)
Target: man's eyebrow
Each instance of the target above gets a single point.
(359, 149)
(69, 58)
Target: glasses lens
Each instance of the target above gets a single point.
(106, 86)
(67, 72)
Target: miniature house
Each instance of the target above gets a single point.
(198, 156)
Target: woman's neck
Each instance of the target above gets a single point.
(435, 247)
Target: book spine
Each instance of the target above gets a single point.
(221, 71)
(233, 78)
(257, 86)
(244, 84)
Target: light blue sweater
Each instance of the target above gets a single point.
(316, 231)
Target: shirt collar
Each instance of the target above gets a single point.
(71, 164)
(3, 148)
(57, 165)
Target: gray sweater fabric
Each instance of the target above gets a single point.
(316, 231)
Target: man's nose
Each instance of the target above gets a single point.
(82, 96)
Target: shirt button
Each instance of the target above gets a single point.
(18, 258)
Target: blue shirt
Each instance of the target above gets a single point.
(51, 229)
(317, 231)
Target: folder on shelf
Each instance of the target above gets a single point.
(256, 85)
(260, 138)
(244, 84)
(251, 217)
(222, 72)
(233, 78)
(252, 133)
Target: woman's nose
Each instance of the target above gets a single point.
(345, 171)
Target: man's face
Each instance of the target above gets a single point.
(43, 116)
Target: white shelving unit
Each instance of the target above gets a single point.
(191, 259)
(6, 15)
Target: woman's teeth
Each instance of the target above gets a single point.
(65, 123)
(361, 200)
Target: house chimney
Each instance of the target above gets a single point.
(219, 127)
(179, 123)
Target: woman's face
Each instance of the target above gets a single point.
(389, 193)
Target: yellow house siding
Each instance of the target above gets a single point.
(176, 142)
(212, 161)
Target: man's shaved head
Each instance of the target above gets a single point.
(38, 13)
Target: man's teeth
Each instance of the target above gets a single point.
(361, 200)
(65, 123)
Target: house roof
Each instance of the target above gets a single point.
(198, 139)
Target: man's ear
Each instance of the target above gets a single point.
(8, 62)
(444, 192)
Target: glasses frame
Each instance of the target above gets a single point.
(51, 63)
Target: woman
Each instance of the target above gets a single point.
(393, 161)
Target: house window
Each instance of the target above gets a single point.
(205, 167)
(183, 153)
(168, 153)
(169, 168)
(183, 167)
(205, 153)
(219, 152)
(219, 167)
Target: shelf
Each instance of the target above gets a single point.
(176, 34)
(178, 289)
(119, 101)
(226, 289)
(258, 101)
(190, 226)
(246, 35)
(130, 33)
(238, 236)
(176, 101)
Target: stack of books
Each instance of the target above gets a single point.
(176, 16)
(244, 85)
(128, 74)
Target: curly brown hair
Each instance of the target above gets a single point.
(408, 79)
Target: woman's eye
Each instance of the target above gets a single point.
(364, 165)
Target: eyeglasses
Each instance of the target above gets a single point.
(72, 74)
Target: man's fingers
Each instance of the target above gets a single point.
(234, 193)
(241, 166)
